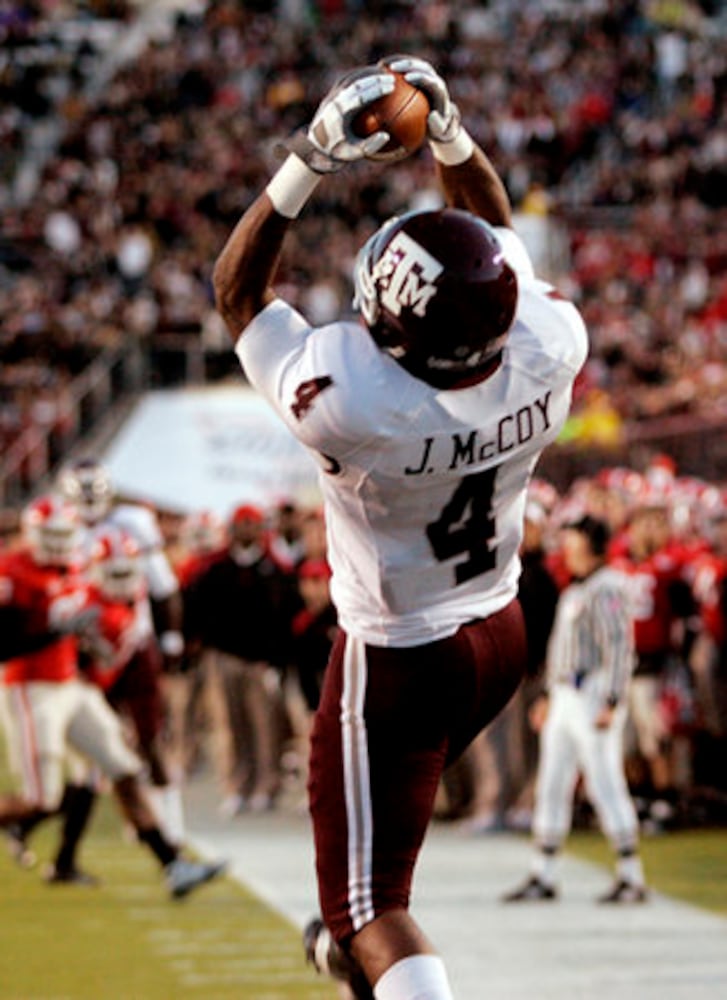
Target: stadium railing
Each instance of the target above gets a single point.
(115, 378)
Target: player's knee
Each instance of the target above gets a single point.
(48, 800)
(117, 761)
(48, 793)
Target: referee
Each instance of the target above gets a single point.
(588, 668)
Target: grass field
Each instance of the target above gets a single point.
(690, 865)
(125, 940)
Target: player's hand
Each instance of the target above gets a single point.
(604, 718)
(97, 649)
(76, 623)
(443, 123)
(171, 644)
(538, 713)
(329, 142)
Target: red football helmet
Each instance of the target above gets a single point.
(87, 484)
(437, 294)
(116, 566)
(52, 529)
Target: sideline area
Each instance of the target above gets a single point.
(663, 950)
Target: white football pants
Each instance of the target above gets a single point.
(570, 745)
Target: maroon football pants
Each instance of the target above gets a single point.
(137, 694)
(390, 720)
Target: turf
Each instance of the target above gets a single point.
(690, 865)
(127, 940)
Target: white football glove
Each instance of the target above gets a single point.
(329, 142)
(443, 123)
(79, 623)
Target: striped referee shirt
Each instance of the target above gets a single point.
(593, 632)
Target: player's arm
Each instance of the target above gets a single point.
(468, 178)
(17, 637)
(245, 270)
(165, 597)
(168, 617)
(475, 186)
(21, 634)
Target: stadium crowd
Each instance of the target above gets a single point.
(608, 119)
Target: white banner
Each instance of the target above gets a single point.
(209, 449)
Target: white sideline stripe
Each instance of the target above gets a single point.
(664, 950)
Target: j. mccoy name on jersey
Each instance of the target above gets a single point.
(469, 447)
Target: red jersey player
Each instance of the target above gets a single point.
(661, 606)
(45, 605)
(124, 660)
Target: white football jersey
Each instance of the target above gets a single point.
(141, 523)
(424, 489)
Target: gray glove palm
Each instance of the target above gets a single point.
(443, 123)
(329, 142)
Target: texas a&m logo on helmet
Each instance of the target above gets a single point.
(437, 294)
(405, 275)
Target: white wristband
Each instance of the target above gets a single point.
(455, 151)
(292, 186)
(171, 643)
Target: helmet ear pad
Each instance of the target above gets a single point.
(445, 296)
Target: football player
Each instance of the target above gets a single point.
(46, 607)
(87, 484)
(663, 609)
(121, 657)
(427, 420)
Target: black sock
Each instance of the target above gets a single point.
(158, 845)
(77, 806)
(26, 826)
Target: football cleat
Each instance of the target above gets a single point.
(18, 848)
(531, 890)
(322, 952)
(624, 892)
(184, 876)
(69, 876)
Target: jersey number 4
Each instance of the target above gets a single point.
(467, 525)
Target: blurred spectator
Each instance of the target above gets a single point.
(237, 607)
(286, 544)
(314, 628)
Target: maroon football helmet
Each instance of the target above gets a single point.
(437, 294)
(87, 484)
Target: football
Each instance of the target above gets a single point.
(402, 113)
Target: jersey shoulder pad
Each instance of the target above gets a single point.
(140, 522)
